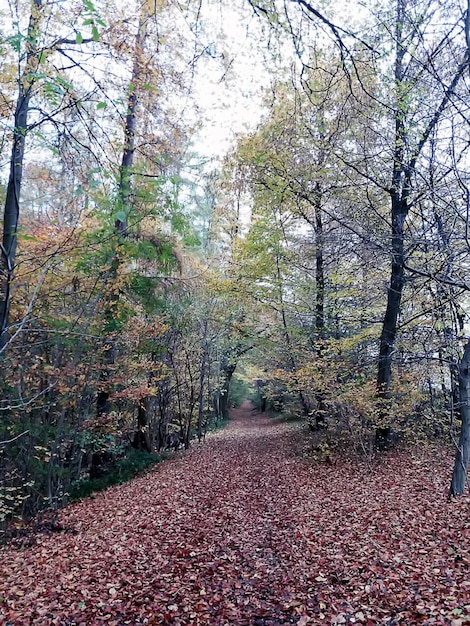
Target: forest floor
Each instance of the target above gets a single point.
(249, 529)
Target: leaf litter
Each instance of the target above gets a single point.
(243, 530)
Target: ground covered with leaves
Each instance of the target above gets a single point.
(248, 530)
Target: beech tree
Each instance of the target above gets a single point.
(94, 275)
(292, 165)
(408, 147)
(406, 121)
(34, 49)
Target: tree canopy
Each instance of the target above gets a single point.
(319, 266)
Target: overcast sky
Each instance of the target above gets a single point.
(229, 88)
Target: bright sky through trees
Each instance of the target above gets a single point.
(230, 80)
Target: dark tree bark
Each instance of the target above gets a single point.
(141, 439)
(404, 165)
(459, 476)
(228, 370)
(316, 222)
(228, 366)
(319, 266)
(11, 213)
(103, 404)
(320, 411)
(399, 192)
(202, 377)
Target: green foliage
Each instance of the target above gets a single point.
(216, 425)
(239, 391)
(16, 41)
(92, 441)
(145, 287)
(54, 88)
(134, 463)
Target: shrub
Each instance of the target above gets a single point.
(135, 462)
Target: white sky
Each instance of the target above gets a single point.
(232, 103)
(229, 89)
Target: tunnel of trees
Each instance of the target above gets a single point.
(320, 265)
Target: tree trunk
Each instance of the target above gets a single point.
(320, 410)
(228, 371)
(390, 322)
(404, 165)
(141, 439)
(11, 213)
(459, 476)
(202, 376)
(103, 405)
(228, 366)
(399, 192)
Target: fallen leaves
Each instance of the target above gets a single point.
(243, 532)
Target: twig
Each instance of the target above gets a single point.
(2, 443)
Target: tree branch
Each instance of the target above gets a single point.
(3, 443)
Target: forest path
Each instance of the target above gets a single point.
(243, 531)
